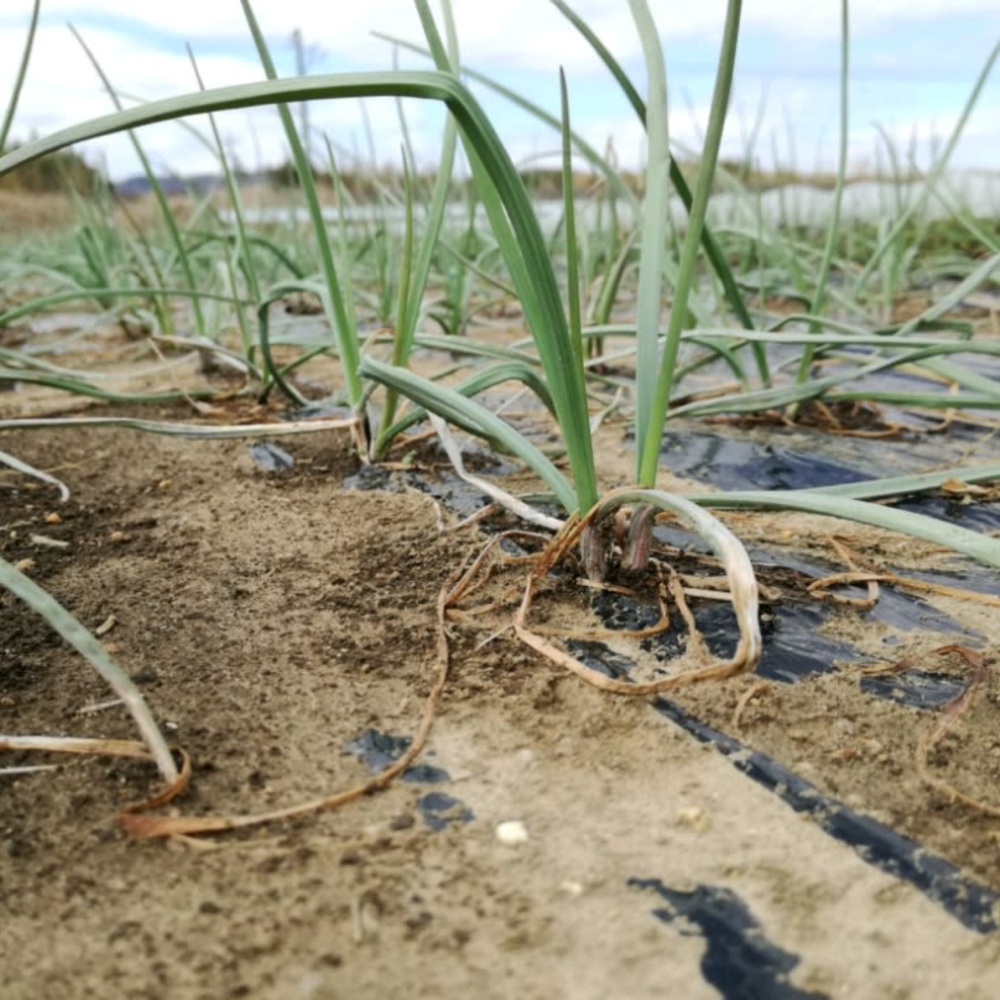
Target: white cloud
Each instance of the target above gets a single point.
(512, 41)
(515, 29)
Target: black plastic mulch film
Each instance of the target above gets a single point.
(738, 960)
(793, 649)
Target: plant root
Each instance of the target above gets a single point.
(137, 819)
(948, 722)
(743, 594)
(760, 688)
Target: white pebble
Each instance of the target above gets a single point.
(512, 832)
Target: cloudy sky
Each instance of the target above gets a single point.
(914, 64)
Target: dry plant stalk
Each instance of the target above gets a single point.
(821, 588)
(134, 821)
(105, 748)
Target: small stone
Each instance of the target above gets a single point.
(694, 818)
(512, 833)
(844, 727)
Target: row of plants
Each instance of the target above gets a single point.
(409, 269)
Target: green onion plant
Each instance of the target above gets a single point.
(575, 286)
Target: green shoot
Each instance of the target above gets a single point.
(653, 401)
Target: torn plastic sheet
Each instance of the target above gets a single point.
(969, 901)
(446, 488)
(791, 652)
(926, 689)
(788, 460)
(739, 960)
(794, 645)
(270, 457)
(793, 649)
(439, 810)
(378, 750)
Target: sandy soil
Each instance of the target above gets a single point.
(273, 618)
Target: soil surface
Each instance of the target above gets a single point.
(280, 623)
